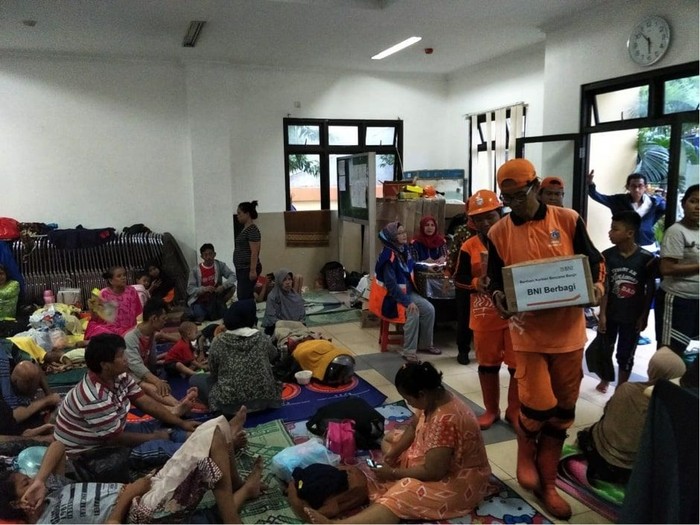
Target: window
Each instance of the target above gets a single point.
(623, 104)
(681, 94)
(643, 123)
(648, 95)
(311, 147)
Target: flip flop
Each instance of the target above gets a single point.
(410, 358)
(432, 350)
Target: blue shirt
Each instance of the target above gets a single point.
(623, 202)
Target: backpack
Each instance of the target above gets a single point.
(333, 274)
(340, 438)
(369, 424)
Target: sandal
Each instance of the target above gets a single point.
(431, 350)
(410, 358)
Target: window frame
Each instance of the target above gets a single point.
(655, 79)
(324, 150)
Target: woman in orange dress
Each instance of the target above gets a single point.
(434, 469)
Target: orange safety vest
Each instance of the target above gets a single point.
(378, 294)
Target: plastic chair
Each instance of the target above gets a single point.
(387, 336)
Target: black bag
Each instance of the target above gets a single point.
(333, 274)
(369, 424)
(599, 358)
(103, 465)
(352, 279)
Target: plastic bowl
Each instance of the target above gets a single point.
(303, 377)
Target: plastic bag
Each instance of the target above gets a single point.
(302, 455)
(58, 338)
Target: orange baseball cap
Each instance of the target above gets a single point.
(554, 183)
(515, 174)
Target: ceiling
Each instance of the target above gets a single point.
(320, 34)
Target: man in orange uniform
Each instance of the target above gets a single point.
(552, 191)
(492, 342)
(548, 344)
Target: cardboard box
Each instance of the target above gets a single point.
(404, 211)
(548, 283)
(391, 189)
(435, 207)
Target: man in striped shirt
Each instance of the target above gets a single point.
(94, 412)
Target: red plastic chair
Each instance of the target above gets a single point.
(387, 336)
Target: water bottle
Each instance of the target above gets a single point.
(48, 297)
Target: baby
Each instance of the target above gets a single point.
(143, 283)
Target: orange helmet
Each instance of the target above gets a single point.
(483, 201)
(429, 191)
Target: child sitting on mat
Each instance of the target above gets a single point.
(180, 359)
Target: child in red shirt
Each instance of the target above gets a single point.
(180, 359)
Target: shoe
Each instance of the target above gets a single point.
(431, 350)
(463, 358)
(410, 357)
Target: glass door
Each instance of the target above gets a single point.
(556, 156)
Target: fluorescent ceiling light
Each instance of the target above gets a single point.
(398, 47)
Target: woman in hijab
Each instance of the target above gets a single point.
(240, 368)
(393, 296)
(611, 444)
(283, 303)
(429, 246)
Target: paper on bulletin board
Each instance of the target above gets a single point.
(358, 187)
(342, 185)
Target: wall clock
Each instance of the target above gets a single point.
(649, 40)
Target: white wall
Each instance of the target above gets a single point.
(595, 48)
(97, 143)
(237, 136)
(178, 146)
(517, 77)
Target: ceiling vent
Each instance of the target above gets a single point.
(193, 33)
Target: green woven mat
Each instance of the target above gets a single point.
(324, 308)
(264, 440)
(67, 378)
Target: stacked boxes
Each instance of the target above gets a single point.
(409, 213)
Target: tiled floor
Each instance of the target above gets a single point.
(379, 369)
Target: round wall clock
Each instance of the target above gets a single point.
(649, 40)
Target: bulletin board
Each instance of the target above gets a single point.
(356, 179)
(357, 194)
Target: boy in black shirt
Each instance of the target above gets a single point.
(624, 309)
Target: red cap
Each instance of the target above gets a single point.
(553, 183)
(515, 174)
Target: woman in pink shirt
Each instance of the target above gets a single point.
(118, 307)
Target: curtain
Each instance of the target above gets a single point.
(499, 128)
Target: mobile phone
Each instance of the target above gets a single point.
(372, 463)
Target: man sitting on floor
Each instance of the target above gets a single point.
(94, 412)
(141, 354)
(14, 439)
(19, 385)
